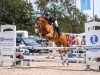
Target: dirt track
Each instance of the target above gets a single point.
(48, 68)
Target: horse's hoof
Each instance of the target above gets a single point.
(12, 65)
(28, 64)
(61, 58)
(67, 64)
(62, 63)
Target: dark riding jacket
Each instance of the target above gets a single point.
(51, 20)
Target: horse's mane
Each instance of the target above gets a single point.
(43, 21)
(45, 27)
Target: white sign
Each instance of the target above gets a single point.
(8, 42)
(92, 31)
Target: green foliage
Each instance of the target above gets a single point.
(70, 19)
(97, 19)
(17, 12)
(22, 14)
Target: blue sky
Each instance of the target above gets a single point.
(89, 12)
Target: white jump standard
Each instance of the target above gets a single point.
(7, 44)
(92, 31)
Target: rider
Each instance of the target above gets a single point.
(52, 21)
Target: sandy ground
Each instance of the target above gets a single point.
(48, 67)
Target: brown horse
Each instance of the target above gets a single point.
(47, 31)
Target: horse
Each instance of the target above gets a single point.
(45, 30)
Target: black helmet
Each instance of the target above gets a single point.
(47, 14)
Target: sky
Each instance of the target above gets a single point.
(89, 12)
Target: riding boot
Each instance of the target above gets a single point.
(58, 30)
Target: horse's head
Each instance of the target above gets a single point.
(40, 25)
(42, 21)
(44, 27)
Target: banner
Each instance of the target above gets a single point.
(85, 4)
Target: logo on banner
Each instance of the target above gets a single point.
(94, 39)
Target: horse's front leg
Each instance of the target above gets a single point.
(65, 59)
(50, 34)
(65, 56)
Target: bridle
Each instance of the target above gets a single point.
(38, 26)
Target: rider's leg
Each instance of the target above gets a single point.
(56, 26)
(58, 30)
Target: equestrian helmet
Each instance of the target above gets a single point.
(47, 14)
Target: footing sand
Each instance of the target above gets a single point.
(48, 68)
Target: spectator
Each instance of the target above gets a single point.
(77, 40)
(70, 40)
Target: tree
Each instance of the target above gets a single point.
(96, 18)
(70, 19)
(17, 12)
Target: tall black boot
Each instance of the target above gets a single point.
(58, 30)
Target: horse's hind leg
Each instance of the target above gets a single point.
(62, 52)
(65, 55)
(58, 44)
